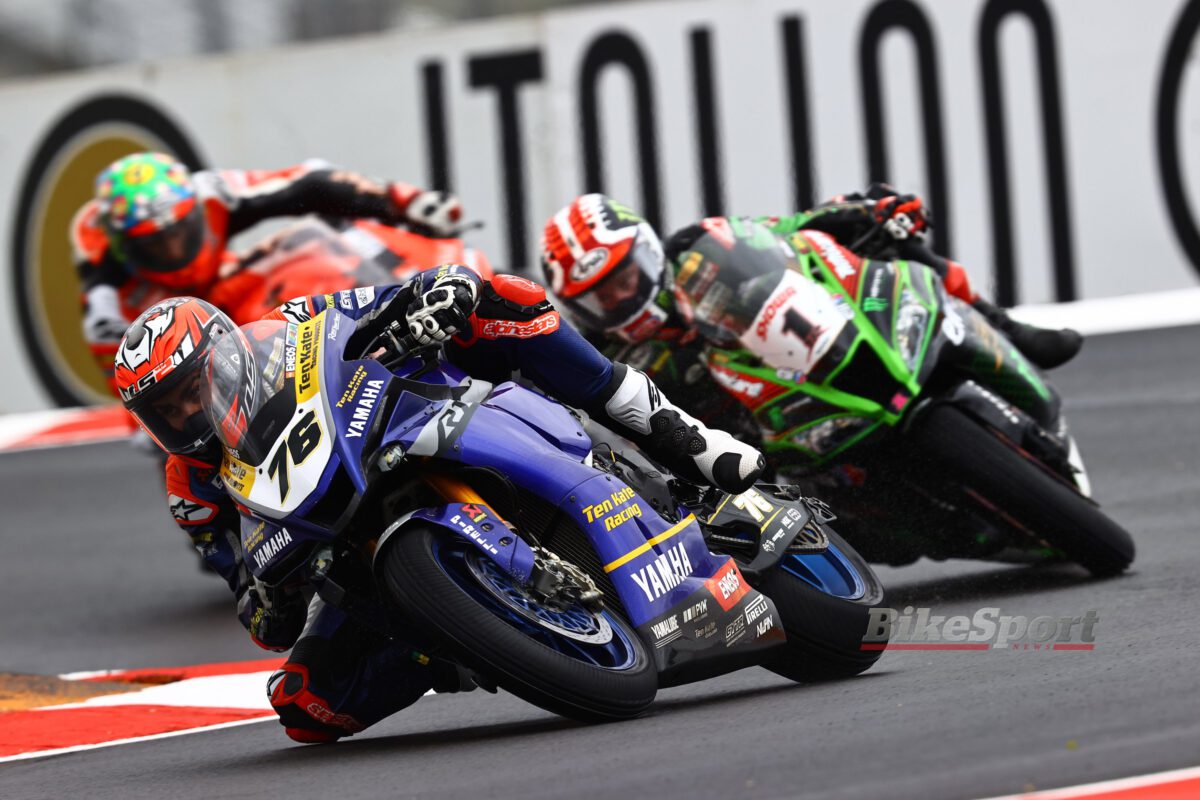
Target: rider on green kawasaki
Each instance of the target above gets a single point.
(610, 271)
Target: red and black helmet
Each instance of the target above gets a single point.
(605, 264)
(160, 370)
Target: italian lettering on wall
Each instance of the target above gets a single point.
(1049, 136)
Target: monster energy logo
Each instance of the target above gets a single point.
(875, 304)
(624, 213)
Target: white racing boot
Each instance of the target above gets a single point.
(634, 407)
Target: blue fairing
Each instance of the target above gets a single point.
(438, 412)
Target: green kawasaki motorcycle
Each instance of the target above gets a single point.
(900, 404)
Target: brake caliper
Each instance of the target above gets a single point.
(561, 583)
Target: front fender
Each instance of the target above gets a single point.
(1019, 427)
(475, 523)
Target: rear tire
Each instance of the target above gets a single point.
(991, 466)
(825, 633)
(481, 637)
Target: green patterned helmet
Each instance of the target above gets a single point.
(149, 209)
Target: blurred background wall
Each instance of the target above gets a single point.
(37, 36)
(1057, 141)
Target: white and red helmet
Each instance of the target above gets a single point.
(605, 264)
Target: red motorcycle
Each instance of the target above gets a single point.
(313, 257)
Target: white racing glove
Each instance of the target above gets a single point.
(443, 309)
(437, 211)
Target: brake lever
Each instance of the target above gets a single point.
(872, 233)
(426, 232)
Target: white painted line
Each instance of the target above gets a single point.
(1119, 784)
(1135, 312)
(91, 673)
(81, 747)
(242, 690)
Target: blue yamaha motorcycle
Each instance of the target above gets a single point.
(479, 523)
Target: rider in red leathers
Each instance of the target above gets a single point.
(155, 230)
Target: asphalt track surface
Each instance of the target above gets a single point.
(92, 577)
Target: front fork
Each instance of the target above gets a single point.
(551, 579)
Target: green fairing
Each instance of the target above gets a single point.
(1012, 377)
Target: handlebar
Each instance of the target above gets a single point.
(457, 233)
(873, 232)
(398, 345)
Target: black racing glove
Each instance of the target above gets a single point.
(903, 216)
(274, 616)
(443, 309)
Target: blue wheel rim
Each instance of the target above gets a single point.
(829, 572)
(499, 593)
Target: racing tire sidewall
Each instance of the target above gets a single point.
(520, 665)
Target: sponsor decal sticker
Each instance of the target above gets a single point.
(589, 264)
(254, 538)
(352, 386)
(833, 255)
(308, 352)
(772, 309)
(728, 586)
(188, 511)
(237, 476)
(613, 510)
(735, 630)
(664, 573)
(271, 548)
(756, 608)
(753, 503)
(666, 631)
(463, 521)
(364, 407)
(696, 612)
(514, 329)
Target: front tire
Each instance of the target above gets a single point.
(825, 631)
(1009, 481)
(445, 584)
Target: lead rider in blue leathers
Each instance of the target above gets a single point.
(340, 677)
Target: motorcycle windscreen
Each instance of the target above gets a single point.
(248, 371)
(329, 260)
(726, 276)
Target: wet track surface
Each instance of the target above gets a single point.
(92, 576)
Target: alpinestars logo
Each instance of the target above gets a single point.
(296, 310)
(188, 511)
(512, 329)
